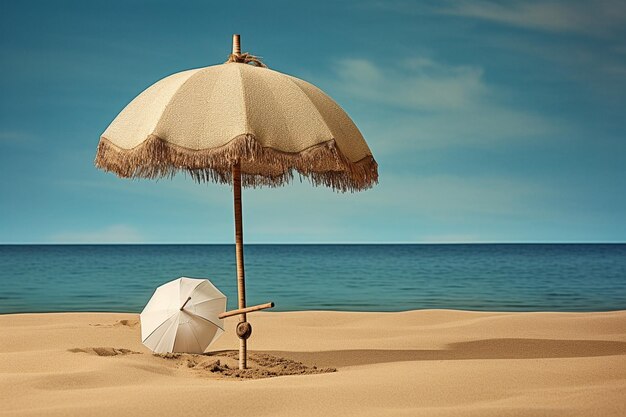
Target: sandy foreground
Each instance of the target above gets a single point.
(417, 363)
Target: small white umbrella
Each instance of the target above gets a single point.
(183, 316)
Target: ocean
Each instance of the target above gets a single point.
(373, 277)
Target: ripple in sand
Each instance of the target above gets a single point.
(260, 365)
(124, 323)
(104, 351)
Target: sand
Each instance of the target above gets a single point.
(417, 363)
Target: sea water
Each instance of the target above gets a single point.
(494, 277)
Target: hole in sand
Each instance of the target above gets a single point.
(127, 323)
(260, 365)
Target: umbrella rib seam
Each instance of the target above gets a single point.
(178, 90)
(314, 107)
(243, 101)
(157, 328)
(209, 300)
(205, 319)
(195, 337)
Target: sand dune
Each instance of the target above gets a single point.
(417, 363)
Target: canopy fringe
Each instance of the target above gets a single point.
(322, 164)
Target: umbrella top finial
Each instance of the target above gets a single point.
(236, 45)
(243, 58)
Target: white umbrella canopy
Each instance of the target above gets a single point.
(183, 316)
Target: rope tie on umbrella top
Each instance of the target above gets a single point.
(245, 58)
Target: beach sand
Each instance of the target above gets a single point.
(417, 363)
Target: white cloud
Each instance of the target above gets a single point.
(435, 196)
(117, 233)
(450, 197)
(437, 105)
(423, 84)
(182, 188)
(17, 138)
(428, 208)
(480, 126)
(451, 238)
(598, 16)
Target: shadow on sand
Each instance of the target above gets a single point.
(479, 349)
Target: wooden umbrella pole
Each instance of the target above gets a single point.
(241, 285)
(236, 45)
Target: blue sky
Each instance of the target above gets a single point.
(490, 121)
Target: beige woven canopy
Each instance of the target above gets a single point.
(202, 121)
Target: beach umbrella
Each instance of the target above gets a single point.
(238, 123)
(183, 316)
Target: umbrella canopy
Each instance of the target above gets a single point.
(202, 121)
(183, 316)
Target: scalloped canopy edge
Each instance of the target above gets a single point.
(322, 164)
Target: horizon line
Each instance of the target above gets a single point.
(312, 243)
